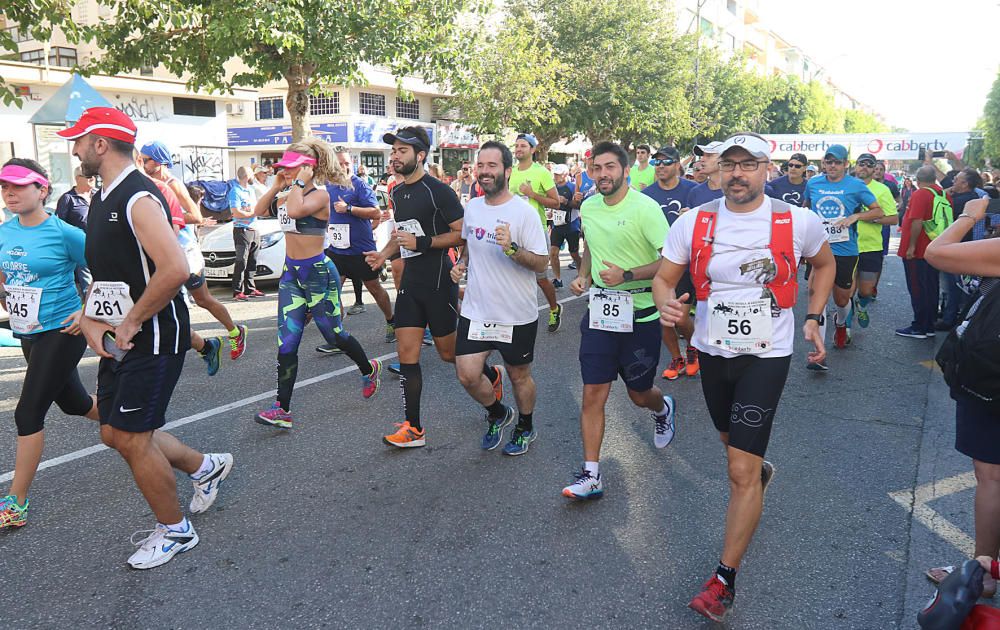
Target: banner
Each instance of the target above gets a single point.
(884, 146)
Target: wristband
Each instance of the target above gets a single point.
(350, 210)
(816, 318)
(423, 243)
(966, 216)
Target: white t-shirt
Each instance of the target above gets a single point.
(499, 290)
(741, 241)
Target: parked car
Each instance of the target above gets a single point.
(220, 253)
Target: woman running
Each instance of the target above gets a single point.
(39, 254)
(310, 284)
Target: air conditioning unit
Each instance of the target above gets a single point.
(234, 108)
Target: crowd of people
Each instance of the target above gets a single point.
(705, 249)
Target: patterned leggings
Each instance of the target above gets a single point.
(310, 286)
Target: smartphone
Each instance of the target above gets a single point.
(111, 348)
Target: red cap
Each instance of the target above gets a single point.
(587, 153)
(102, 121)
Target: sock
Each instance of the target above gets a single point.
(183, 526)
(391, 322)
(411, 382)
(593, 468)
(864, 301)
(235, 332)
(496, 410)
(662, 413)
(728, 575)
(206, 466)
(352, 348)
(524, 422)
(491, 373)
(842, 311)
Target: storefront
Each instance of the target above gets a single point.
(457, 145)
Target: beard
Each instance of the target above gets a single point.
(616, 185)
(748, 195)
(406, 168)
(492, 190)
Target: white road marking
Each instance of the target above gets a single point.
(916, 501)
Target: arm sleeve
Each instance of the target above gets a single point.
(532, 235)
(814, 235)
(451, 207)
(75, 239)
(867, 198)
(548, 182)
(232, 199)
(888, 203)
(63, 206)
(677, 245)
(654, 225)
(364, 196)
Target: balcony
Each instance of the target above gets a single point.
(17, 36)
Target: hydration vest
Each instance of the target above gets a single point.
(784, 287)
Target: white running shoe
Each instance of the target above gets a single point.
(161, 545)
(206, 487)
(664, 431)
(585, 486)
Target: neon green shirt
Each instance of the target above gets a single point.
(641, 179)
(541, 182)
(628, 234)
(870, 234)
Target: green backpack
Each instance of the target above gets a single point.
(941, 216)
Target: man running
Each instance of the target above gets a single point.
(744, 327)
(504, 248)
(870, 254)
(791, 187)
(841, 201)
(535, 184)
(642, 173)
(137, 322)
(711, 185)
(565, 224)
(620, 333)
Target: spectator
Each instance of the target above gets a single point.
(464, 182)
(246, 238)
(921, 278)
(965, 186)
(365, 177)
(73, 207)
(259, 184)
(435, 171)
(904, 197)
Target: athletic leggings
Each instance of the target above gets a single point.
(51, 377)
(310, 286)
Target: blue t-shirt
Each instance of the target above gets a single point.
(700, 194)
(835, 200)
(44, 256)
(793, 194)
(360, 195)
(240, 197)
(671, 201)
(586, 184)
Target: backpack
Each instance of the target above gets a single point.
(942, 216)
(970, 354)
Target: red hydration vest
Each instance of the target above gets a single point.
(784, 286)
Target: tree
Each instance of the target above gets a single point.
(730, 98)
(308, 44)
(821, 115)
(787, 109)
(37, 18)
(990, 124)
(857, 121)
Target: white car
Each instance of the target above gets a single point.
(220, 253)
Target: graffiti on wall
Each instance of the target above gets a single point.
(141, 108)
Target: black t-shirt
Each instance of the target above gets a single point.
(433, 205)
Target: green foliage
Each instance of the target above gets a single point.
(787, 108)
(36, 18)
(821, 115)
(990, 124)
(857, 121)
(729, 98)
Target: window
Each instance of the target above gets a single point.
(270, 108)
(407, 109)
(730, 41)
(33, 56)
(17, 36)
(194, 107)
(62, 57)
(372, 104)
(731, 6)
(324, 104)
(707, 28)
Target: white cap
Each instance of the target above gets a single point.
(711, 147)
(755, 146)
(560, 169)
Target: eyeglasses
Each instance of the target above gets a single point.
(866, 163)
(794, 165)
(663, 161)
(833, 162)
(745, 165)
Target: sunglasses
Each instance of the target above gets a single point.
(794, 165)
(867, 163)
(833, 162)
(663, 161)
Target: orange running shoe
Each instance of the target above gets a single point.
(692, 361)
(674, 369)
(405, 436)
(498, 383)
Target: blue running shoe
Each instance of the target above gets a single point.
(211, 354)
(519, 441)
(428, 340)
(862, 311)
(494, 433)
(394, 368)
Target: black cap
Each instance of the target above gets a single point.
(669, 153)
(414, 136)
(866, 156)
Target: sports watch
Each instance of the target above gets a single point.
(301, 184)
(510, 251)
(628, 276)
(819, 319)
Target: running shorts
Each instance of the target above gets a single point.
(565, 234)
(520, 350)
(352, 266)
(420, 306)
(634, 356)
(133, 395)
(870, 262)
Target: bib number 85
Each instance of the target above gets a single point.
(739, 327)
(610, 310)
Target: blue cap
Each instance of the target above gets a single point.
(529, 138)
(838, 151)
(158, 152)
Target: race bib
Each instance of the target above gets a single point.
(195, 260)
(109, 302)
(548, 214)
(410, 226)
(611, 310)
(286, 222)
(22, 307)
(487, 331)
(836, 234)
(558, 217)
(338, 235)
(465, 199)
(742, 327)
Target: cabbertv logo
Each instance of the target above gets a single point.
(774, 145)
(875, 145)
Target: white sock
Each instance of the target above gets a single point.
(592, 467)
(822, 329)
(662, 413)
(183, 526)
(206, 466)
(842, 312)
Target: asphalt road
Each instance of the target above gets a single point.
(327, 526)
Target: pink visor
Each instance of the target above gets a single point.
(291, 159)
(21, 176)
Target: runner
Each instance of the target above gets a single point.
(565, 224)
(310, 284)
(642, 174)
(671, 192)
(620, 334)
(870, 254)
(791, 188)
(137, 322)
(841, 201)
(735, 248)
(428, 221)
(39, 255)
(503, 247)
(711, 186)
(350, 235)
(534, 183)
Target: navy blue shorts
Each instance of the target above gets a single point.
(604, 356)
(133, 395)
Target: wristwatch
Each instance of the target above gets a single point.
(350, 210)
(510, 251)
(628, 276)
(819, 319)
(301, 184)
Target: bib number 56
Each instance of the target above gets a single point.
(739, 327)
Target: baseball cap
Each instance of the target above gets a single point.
(560, 169)
(812, 168)
(413, 136)
(260, 168)
(102, 121)
(158, 152)
(669, 153)
(21, 176)
(529, 138)
(588, 154)
(867, 156)
(838, 151)
(291, 159)
(752, 144)
(711, 147)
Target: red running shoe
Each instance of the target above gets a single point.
(840, 336)
(715, 599)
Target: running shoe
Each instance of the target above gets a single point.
(405, 436)
(211, 354)
(817, 367)
(584, 486)
(911, 332)
(256, 294)
(692, 367)
(862, 312)
(371, 382)
(714, 601)
(663, 433)
(356, 309)
(557, 283)
(329, 348)
(390, 333)
(555, 318)
(572, 266)
(494, 432)
(394, 368)
(930, 334)
(766, 474)
(240, 296)
(498, 383)
(840, 336)
(12, 514)
(850, 337)
(874, 294)
(238, 344)
(275, 417)
(428, 339)
(674, 369)
(519, 441)
(206, 487)
(161, 545)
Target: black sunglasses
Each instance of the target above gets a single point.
(663, 161)
(866, 163)
(794, 165)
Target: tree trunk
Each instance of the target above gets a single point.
(297, 101)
